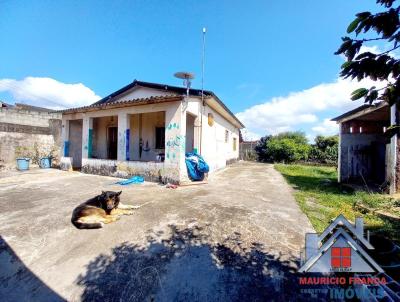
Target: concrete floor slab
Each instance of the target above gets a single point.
(236, 238)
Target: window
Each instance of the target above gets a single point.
(341, 257)
(226, 136)
(210, 119)
(234, 143)
(160, 137)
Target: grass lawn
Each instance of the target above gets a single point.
(322, 198)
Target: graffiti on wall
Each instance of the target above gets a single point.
(175, 142)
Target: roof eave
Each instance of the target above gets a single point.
(129, 103)
(360, 111)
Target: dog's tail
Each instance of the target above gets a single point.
(87, 225)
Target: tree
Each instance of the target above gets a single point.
(324, 142)
(325, 150)
(284, 147)
(261, 149)
(368, 27)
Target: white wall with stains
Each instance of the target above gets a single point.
(141, 122)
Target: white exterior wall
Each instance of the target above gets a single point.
(146, 129)
(100, 126)
(142, 92)
(214, 149)
(174, 166)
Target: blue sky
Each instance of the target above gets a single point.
(265, 53)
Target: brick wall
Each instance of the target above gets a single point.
(21, 127)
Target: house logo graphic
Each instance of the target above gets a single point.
(340, 248)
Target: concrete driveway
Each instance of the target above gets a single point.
(236, 238)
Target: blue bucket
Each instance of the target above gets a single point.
(45, 162)
(23, 164)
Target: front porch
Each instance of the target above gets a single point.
(150, 141)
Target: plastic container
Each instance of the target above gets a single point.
(23, 163)
(45, 163)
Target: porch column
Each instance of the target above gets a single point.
(175, 144)
(65, 137)
(87, 131)
(123, 136)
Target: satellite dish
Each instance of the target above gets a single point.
(186, 77)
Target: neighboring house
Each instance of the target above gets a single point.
(367, 154)
(23, 125)
(146, 128)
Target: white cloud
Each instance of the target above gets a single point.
(249, 136)
(47, 92)
(301, 109)
(327, 127)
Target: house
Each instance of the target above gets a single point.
(367, 153)
(146, 129)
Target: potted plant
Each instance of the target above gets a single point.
(23, 156)
(44, 155)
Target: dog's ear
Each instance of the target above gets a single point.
(119, 193)
(103, 192)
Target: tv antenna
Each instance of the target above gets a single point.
(186, 77)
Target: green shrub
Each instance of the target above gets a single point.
(285, 147)
(289, 147)
(325, 150)
(287, 150)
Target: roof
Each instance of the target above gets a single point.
(4, 104)
(175, 90)
(164, 87)
(119, 104)
(25, 107)
(359, 111)
(32, 108)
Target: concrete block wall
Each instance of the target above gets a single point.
(21, 127)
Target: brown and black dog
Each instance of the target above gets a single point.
(104, 208)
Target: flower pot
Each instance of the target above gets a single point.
(23, 163)
(45, 162)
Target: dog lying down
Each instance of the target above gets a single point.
(104, 208)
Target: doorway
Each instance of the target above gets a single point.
(112, 139)
(189, 133)
(75, 143)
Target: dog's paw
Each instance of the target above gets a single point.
(133, 207)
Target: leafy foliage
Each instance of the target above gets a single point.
(285, 147)
(261, 149)
(325, 150)
(289, 147)
(377, 67)
(287, 150)
(37, 151)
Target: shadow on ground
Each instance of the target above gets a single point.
(187, 266)
(17, 282)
